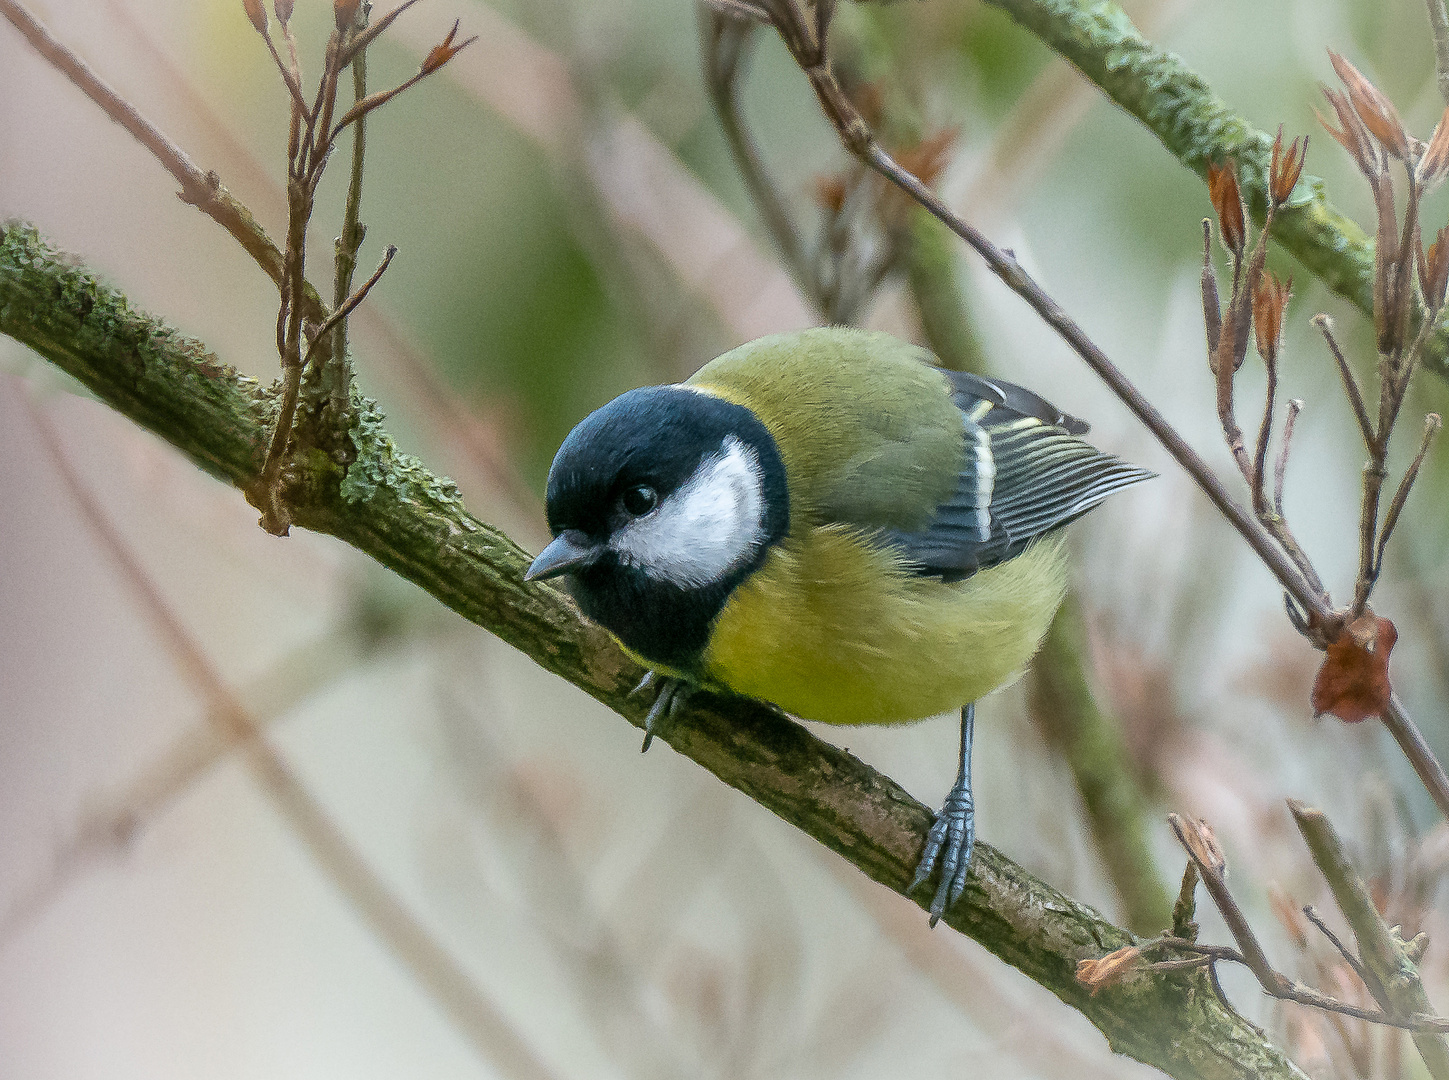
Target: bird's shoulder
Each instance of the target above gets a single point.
(868, 429)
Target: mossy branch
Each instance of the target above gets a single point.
(1174, 103)
(391, 507)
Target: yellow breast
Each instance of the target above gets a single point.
(832, 628)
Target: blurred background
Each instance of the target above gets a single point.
(447, 863)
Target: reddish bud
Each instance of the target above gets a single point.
(1286, 168)
(1375, 110)
(257, 14)
(1227, 200)
(444, 51)
(1353, 683)
(345, 13)
(1270, 300)
(1108, 970)
(1353, 137)
(283, 8)
(1432, 165)
(1434, 270)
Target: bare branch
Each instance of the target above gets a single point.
(1280, 468)
(202, 190)
(1432, 423)
(415, 523)
(1382, 953)
(350, 303)
(1367, 977)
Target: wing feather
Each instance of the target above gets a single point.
(1026, 472)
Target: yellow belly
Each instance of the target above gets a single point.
(834, 629)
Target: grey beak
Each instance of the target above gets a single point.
(569, 551)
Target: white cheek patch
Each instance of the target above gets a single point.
(706, 528)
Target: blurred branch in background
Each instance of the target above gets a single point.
(1385, 966)
(643, 185)
(110, 824)
(458, 997)
(1068, 712)
(389, 506)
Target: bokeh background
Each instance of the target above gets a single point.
(482, 876)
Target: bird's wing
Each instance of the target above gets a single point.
(1026, 472)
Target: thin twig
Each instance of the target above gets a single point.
(1252, 952)
(1196, 840)
(1439, 25)
(1432, 423)
(290, 76)
(1365, 976)
(1280, 468)
(428, 960)
(338, 380)
(1380, 951)
(1416, 748)
(725, 39)
(1261, 505)
(350, 304)
(456, 426)
(199, 189)
(1350, 384)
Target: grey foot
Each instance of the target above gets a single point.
(672, 695)
(953, 835)
(950, 843)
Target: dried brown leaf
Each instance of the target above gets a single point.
(1227, 201)
(1109, 970)
(283, 8)
(1351, 134)
(1353, 682)
(1375, 110)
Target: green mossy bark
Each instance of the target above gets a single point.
(390, 506)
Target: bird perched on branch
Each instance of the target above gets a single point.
(826, 521)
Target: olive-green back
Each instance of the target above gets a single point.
(866, 427)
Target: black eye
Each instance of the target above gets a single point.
(638, 501)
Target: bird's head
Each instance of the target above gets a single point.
(660, 504)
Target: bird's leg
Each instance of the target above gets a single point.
(672, 695)
(953, 836)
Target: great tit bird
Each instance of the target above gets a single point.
(827, 521)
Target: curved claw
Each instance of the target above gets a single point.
(673, 693)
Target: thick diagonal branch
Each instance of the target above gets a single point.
(389, 506)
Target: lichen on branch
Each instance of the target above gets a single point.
(390, 506)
